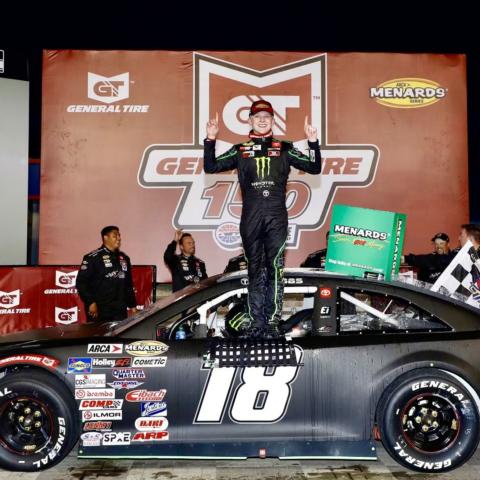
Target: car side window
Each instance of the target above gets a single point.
(364, 311)
(227, 316)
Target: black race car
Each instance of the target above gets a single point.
(360, 361)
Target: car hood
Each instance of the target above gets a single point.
(55, 334)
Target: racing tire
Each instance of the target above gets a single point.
(38, 421)
(429, 420)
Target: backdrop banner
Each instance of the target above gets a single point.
(39, 297)
(122, 144)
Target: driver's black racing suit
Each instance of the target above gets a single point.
(263, 165)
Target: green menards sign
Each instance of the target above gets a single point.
(365, 242)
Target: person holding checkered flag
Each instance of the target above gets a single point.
(463, 274)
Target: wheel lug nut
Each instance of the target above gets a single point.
(425, 428)
(21, 419)
(418, 419)
(423, 411)
(37, 413)
(434, 414)
(27, 411)
(38, 424)
(27, 429)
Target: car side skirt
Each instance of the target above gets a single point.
(340, 450)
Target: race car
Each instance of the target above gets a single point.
(359, 361)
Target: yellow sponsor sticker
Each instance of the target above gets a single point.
(408, 93)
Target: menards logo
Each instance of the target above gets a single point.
(213, 202)
(408, 93)
(145, 348)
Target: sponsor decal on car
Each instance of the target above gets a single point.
(97, 426)
(128, 373)
(88, 415)
(146, 348)
(102, 362)
(116, 438)
(145, 395)
(91, 439)
(325, 292)
(158, 424)
(42, 360)
(149, 362)
(100, 404)
(153, 409)
(126, 384)
(94, 393)
(79, 365)
(112, 348)
(93, 380)
(150, 436)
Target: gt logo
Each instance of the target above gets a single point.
(66, 316)
(9, 299)
(108, 89)
(262, 396)
(66, 280)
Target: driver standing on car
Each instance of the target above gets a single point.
(263, 164)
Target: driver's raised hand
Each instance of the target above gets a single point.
(212, 128)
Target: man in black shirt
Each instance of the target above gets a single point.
(431, 265)
(104, 281)
(186, 268)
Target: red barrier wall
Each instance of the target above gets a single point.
(39, 297)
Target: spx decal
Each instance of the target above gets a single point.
(262, 395)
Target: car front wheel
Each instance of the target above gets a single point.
(38, 421)
(429, 420)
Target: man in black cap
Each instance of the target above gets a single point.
(431, 265)
(263, 165)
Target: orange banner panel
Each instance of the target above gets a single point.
(123, 131)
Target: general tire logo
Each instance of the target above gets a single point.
(213, 202)
(9, 299)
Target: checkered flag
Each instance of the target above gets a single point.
(462, 275)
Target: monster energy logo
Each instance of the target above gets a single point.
(263, 163)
